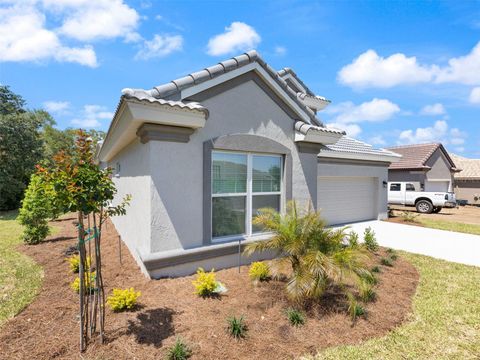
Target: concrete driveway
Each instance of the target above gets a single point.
(441, 244)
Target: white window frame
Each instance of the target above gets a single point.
(248, 194)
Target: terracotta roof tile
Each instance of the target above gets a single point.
(416, 156)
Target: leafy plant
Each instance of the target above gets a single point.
(386, 262)
(368, 277)
(74, 262)
(315, 253)
(123, 299)
(236, 327)
(366, 291)
(295, 317)
(394, 257)
(259, 270)
(352, 239)
(409, 216)
(355, 309)
(206, 284)
(89, 282)
(370, 240)
(376, 269)
(179, 351)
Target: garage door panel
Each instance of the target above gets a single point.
(347, 199)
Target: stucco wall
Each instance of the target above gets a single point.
(343, 168)
(177, 196)
(406, 175)
(440, 168)
(468, 190)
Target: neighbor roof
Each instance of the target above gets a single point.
(470, 168)
(415, 157)
(348, 145)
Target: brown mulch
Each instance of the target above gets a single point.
(48, 328)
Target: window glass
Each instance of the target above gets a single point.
(229, 173)
(410, 187)
(266, 172)
(228, 216)
(263, 201)
(394, 187)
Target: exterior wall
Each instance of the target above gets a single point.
(440, 169)
(468, 190)
(134, 179)
(332, 167)
(406, 175)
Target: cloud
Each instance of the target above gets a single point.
(462, 70)
(475, 96)
(372, 70)
(31, 41)
(280, 50)
(160, 46)
(351, 129)
(237, 37)
(91, 116)
(438, 132)
(373, 111)
(56, 106)
(377, 140)
(434, 109)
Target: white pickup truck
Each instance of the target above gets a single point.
(404, 193)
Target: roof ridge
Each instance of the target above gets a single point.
(414, 145)
(289, 70)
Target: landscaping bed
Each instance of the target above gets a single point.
(48, 328)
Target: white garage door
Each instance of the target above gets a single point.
(347, 199)
(440, 186)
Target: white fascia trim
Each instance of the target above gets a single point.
(317, 137)
(433, 180)
(237, 72)
(358, 156)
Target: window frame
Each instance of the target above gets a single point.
(248, 194)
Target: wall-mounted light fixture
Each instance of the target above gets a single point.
(385, 184)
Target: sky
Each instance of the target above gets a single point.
(396, 72)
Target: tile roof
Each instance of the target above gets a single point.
(288, 70)
(349, 145)
(470, 168)
(416, 156)
(303, 128)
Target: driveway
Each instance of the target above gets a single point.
(447, 245)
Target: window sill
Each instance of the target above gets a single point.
(253, 237)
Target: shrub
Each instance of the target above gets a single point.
(370, 239)
(409, 216)
(89, 282)
(236, 327)
(352, 239)
(179, 351)
(386, 262)
(295, 317)
(125, 299)
(74, 262)
(206, 284)
(376, 269)
(366, 291)
(368, 277)
(394, 257)
(259, 271)
(354, 308)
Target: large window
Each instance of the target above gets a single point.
(241, 185)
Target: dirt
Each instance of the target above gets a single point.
(48, 327)
(461, 214)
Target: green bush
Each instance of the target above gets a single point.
(236, 327)
(386, 262)
(179, 351)
(123, 299)
(206, 284)
(352, 239)
(259, 271)
(409, 216)
(376, 269)
(368, 277)
(354, 308)
(366, 292)
(370, 240)
(295, 317)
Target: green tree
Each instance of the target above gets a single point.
(10, 103)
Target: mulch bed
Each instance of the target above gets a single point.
(48, 328)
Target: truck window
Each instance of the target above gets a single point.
(394, 187)
(410, 187)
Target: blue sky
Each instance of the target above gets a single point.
(396, 72)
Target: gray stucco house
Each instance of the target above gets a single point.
(467, 180)
(428, 166)
(202, 153)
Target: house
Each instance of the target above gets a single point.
(201, 154)
(467, 181)
(428, 166)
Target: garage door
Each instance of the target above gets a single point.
(440, 186)
(347, 199)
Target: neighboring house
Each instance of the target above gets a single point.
(467, 181)
(428, 166)
(201, 154)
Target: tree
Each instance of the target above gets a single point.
(10, 103)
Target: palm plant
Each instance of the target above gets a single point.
(316, 254)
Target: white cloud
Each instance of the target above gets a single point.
(377, 140)
(372, 70)
(237, 37)
(56, 106)
(438, 132)
(92, 115)
(23, 37)
(460, 149)
(475, 96)
(159, 46)
(373, 111)
(434, 109)
(463, 69)
(280, 50)
(351, 129)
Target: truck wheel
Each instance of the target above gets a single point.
(424, 207)
(436, 209)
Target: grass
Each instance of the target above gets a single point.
(450, 226)
(445, 323)
(20, 276)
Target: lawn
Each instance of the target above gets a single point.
(450, 226)
(445, 323)
(20, 277)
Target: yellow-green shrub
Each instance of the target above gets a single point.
(123, 299)
(89, 282)
(74, 262)
(205, 283)
(259, 271)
